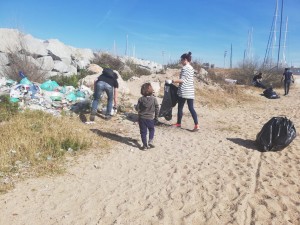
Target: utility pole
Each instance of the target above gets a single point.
(244, 58)
(133, 51)
(225, 53)
(115, 53)
(278, 55)
(249, 54)
(126, 45)
(231, 56)
(269, 60)
(284, 43)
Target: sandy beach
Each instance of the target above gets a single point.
(214, 176)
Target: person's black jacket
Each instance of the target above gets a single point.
(110, 77)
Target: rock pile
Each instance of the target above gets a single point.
(52, 56)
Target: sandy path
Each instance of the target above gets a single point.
(215, 176)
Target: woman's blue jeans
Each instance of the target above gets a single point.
(190, 102)
(101, 87)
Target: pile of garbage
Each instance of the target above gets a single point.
(48, 96)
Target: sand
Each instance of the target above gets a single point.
(214, 176)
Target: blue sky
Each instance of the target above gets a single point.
(159, 31)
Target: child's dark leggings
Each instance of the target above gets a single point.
(190, 103)
(145, 125)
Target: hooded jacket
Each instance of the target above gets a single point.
(147, 107)
(110, 77)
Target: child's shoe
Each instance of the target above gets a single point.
(150, 144)
(144, 148)
(176, 125)
(196, 128)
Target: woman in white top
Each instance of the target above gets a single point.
(186, 90)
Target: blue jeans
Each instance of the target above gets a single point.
(287, 86)
(190, 102)
(102, 86)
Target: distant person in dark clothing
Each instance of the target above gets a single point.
(288, 77)
(257, 81)
(147, 108)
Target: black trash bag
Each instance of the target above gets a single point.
(276, 134)
(270, 93)
(169, 101)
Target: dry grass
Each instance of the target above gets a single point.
(226, 95)
(245, 75)
(36, 143)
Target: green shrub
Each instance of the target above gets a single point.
(72, 80)
(7, 108)
(107, 61)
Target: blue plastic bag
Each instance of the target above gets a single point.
(25, 81)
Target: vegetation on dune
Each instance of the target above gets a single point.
(7, 108)
(35, 141)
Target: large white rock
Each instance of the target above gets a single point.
(58, 48)
(46, 63)
(123, 87)
(33, 61)
(10, 40)
(3, 70)
(49, 74)
(89, 80)
(151, 66)
(61, 67)
(94, 68)
(82, 53)
(3, 59)
(71, 71)
(34, 46)
(82, 64)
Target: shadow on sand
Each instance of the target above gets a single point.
(115, 137)
(250, 144)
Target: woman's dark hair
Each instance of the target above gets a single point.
(187, 56)
(147, 89)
